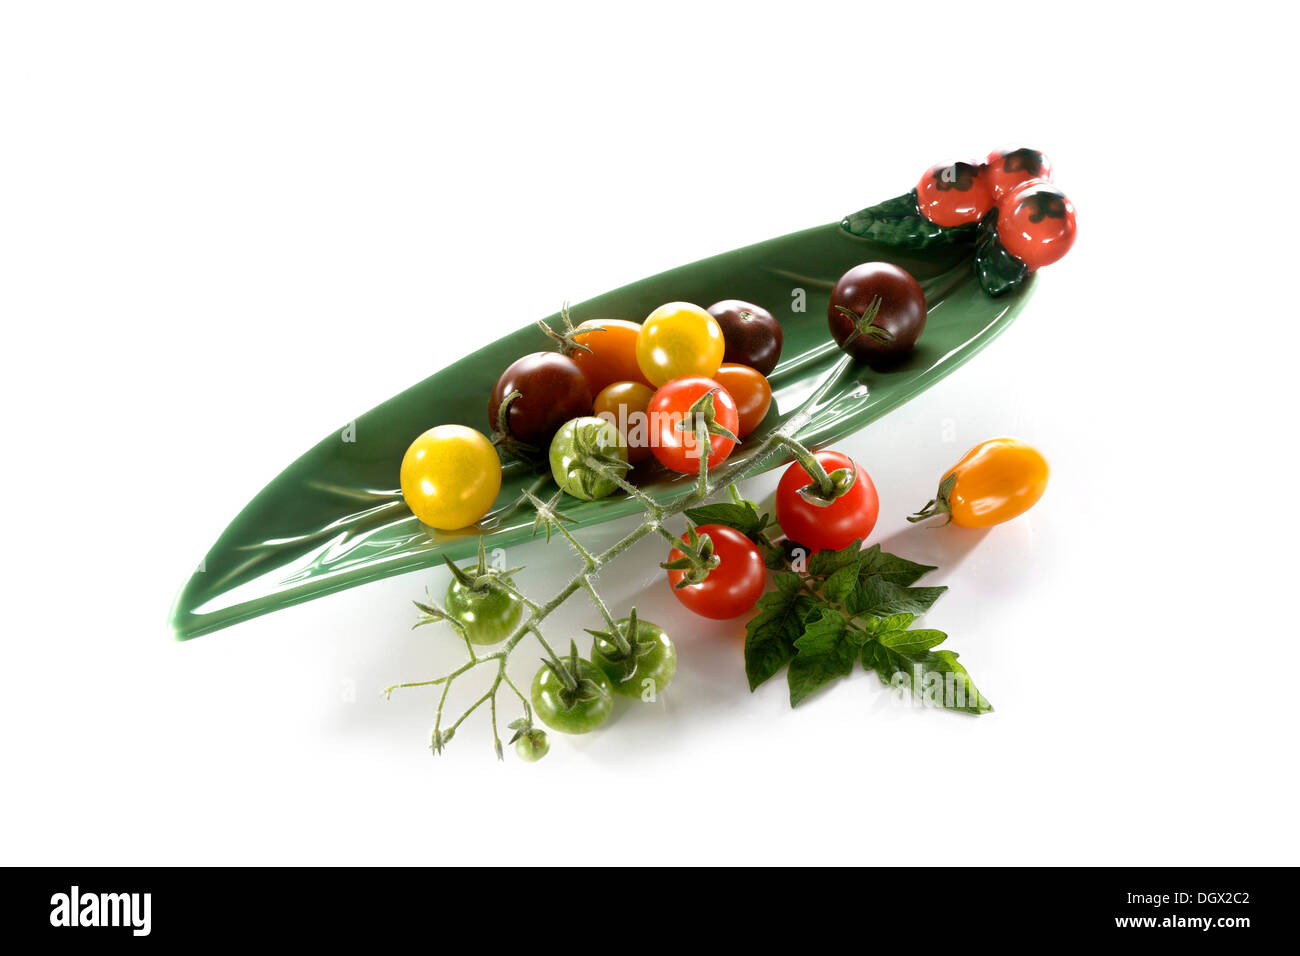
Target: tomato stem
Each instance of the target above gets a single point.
(566, 340)
(862, 323)
(503, 437)
(698, 558)
(824, 488)
(937, 505)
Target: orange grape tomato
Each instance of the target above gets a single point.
(751, 391)
(995, 481)
(624, 404)
(613, 352)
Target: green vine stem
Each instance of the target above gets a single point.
(656, 515)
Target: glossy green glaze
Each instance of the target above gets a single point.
(335, 519)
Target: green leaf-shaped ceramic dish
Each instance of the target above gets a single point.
(335, 519)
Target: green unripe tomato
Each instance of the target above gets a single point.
(655, 665)
(577, 439)
(489, 614)
(585, 715)
(532, 745)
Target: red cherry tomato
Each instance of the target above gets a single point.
(953, 194)
(850, 516)
(678, 449)
(751, 392)
(1008, 168)
(734, 586)
(1036, 223)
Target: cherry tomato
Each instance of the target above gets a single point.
(898, 304)
(488, 612)
(953, 194)
(670, 406)
(568, 716)
(751, 392)
(652, 669)
(577, 439)
(532, 745)
(552, 390)
(1036, 223)
(677, 340)
(752, 335)
(613, 352)
(734, 586)
(450, 476)
(1008, 168)
(850, 516)
(625, 405)
(995, 481)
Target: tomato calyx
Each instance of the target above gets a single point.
(697, 560)
(702, 411)
(482, 577)
(548, 516)
(825, 487)
(938, 505)
(837, 484)
(628, 648)
(438, 739)
(575, 689)
(862, 324)
(566, 338)
(586, 441)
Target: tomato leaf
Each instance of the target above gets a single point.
(771, 634)
(774, 558)
(822, 654)
(891, 567)
(825, 563)
(878, 597)
(853, 605)
(841, 584)
(912, 642)
(898, 222)
(742, 516)
(934, 677)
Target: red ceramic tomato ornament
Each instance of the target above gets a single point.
(954, 194)
(1036, 223)
(1008, 168)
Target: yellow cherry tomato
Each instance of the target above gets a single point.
(450, 477)
(678, 340)
(995, 481)
(624, 405)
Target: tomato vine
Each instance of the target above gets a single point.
(812, 622)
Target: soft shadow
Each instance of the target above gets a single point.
(946, 548)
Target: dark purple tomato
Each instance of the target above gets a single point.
(752, 334)
(877, 313)
(552, 390)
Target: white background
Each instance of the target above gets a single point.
(227, 228)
